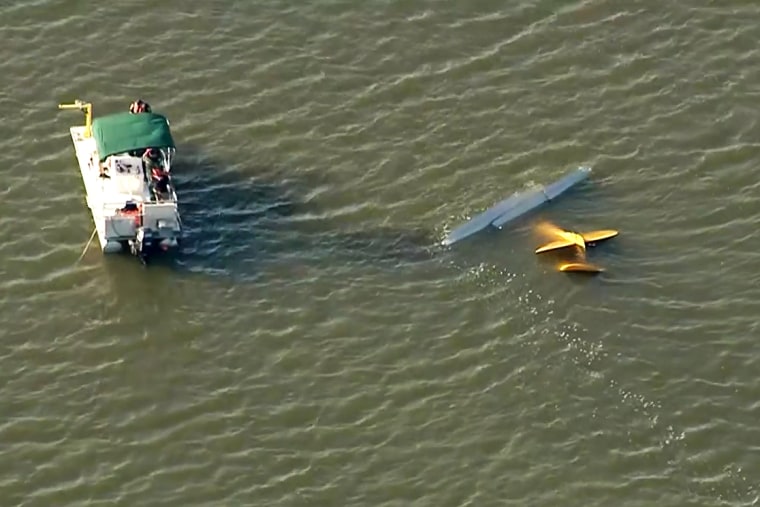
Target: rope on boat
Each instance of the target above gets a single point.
(88, 244)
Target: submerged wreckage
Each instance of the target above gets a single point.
(577, 242)
(516, 205)
(520, 203)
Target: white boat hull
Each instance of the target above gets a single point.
(107, 197)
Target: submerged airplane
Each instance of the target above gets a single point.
(579, 241)
(517, 205)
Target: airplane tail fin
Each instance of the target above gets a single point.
(567, 239)
(560, 238)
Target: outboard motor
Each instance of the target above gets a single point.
(142, 243)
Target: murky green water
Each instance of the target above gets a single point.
(313, 346)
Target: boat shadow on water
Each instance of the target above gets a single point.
(241, 221)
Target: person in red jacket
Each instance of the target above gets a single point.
(139, 106)
(154, 167)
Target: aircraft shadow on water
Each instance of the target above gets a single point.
(565, 242)
(238, 221)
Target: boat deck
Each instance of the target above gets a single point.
(127, 204)
(124, 181)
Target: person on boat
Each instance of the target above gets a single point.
(151, 158)
(153, 166)
(160, 180)
(139, 106)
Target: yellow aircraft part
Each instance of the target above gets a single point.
(563, 239)
(576, 238)
(595, 236)
(568, 239)
(555, 245)
(579, 267)
(548, 230)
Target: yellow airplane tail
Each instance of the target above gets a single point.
(596, 236)
(568, 239)
(555, 245)
(579, 267)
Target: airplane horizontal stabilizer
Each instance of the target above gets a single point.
(596, 236)
(579, 267)
(555, 245)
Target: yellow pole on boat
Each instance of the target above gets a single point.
(85, 107)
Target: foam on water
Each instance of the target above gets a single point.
(547, 326)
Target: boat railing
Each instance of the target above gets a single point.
(109, 207)
(86, 108)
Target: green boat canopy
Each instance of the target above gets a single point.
(123, 132)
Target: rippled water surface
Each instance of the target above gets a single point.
(313, 345)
